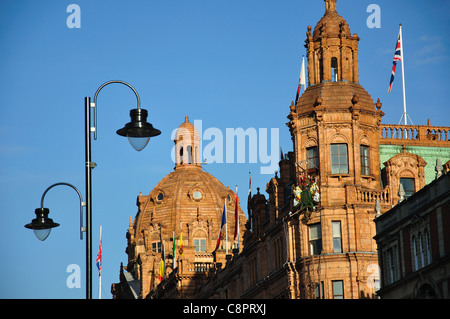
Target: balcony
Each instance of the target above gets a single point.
(356, 194)
(417, 135)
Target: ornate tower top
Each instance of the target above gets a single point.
(333, 68)
(187, 142)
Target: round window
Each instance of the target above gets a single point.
(160, 196)
(197, 195)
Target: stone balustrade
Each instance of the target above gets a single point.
(423, 135)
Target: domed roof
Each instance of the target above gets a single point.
(335, 95)
(331, 24)
(187, 128)
(186, 195)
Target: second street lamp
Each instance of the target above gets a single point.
(42, 225)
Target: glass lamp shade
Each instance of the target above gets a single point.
(42, 234)
(41, 225)
(138, 143)
(138, 131)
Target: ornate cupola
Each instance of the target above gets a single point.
(332, 50)
(187, 145)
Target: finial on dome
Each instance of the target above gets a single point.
(186, 119)
(330, 5)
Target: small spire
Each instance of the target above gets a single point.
(186, 119)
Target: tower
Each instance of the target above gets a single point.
(335, 131)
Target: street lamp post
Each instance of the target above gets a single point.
(42, 225)
(138, 131)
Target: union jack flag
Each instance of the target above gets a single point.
(98, 260)
(397, 57)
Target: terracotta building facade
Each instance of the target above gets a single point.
(187, 207)
(312, 234)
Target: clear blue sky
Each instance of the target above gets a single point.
(228, 63)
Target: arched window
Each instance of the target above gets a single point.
(408, 186)
(334, 70)
(181, 155)
(189, 154)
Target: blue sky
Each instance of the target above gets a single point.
(228, 63)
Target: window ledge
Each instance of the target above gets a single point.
(339, 175)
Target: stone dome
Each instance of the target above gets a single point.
(331, 24)
(335, 95)
(190, 196)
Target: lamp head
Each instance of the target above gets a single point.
(41, 225)
(138, 131)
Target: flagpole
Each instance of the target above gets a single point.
(236, 221)
(403, 76)
(100, 272)
(304, 74)
(226, 228)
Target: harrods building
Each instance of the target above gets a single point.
(311, 233)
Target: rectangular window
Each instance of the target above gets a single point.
(200, 245)
(156, 246)
(391, 265)
(339, 159)
(408, 186)
(364, 160)
(312, 155)
(338, 289)
(315, 239)
(319, 291)
(337, 237)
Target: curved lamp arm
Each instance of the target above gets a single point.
(95, 100)
(81, 203)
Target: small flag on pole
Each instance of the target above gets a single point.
(397, 57)
(301, 80)
(174, 251)
(249, 212)
(224, 222)
(162, 264)
(181, 238)
(98, 260)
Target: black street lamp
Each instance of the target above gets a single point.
(42, 225)
(138, 131)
